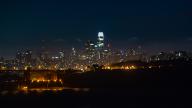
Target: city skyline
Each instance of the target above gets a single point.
(95, 53)
(53, 50)
(92, 52)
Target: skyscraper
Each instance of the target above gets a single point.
(19, 57)
(61, 54)
(28, 56)
(100, 40)
(89, 46)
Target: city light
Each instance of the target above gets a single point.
(26, 67)
(94, 52)
(25, 87)
(45, 70)
(100, 34)
(60, 80)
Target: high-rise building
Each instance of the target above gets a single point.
(72, 58)
(100, 40)
(90, 52)
(19, 57)
(28, 56)
(89, 46)
(62, 58)
(99, 47)
(73, 53)
(61, 54)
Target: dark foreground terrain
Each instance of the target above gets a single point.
(154, 88)
(102, 98)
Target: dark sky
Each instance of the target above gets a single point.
(153, 24)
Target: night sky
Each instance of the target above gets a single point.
(156, 25)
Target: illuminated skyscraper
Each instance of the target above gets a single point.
(61, 54)
(100, 40)
(19, 57)
(28, 55)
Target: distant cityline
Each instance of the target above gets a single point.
(93, 52)
(99, 43)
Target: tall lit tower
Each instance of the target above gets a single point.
(100, 41)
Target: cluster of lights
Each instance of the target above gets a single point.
(54, 89)
(3, 68)
(24, 88)
(47, 89)
(132, 67)
(150, 67)
(46, 80)
(122, 67)
(128, 67)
